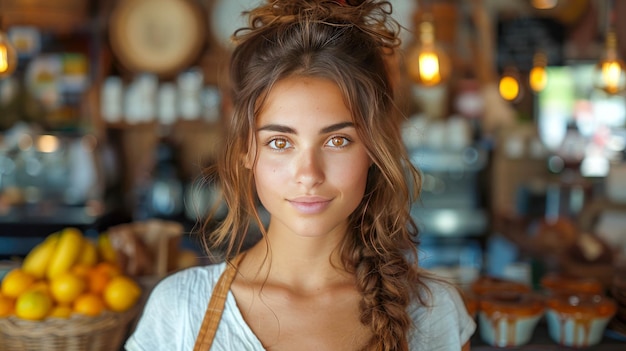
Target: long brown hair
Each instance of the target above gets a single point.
(346, 43)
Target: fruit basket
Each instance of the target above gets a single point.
(67, 295)
(105, 332)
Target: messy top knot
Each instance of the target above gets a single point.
(372, 17)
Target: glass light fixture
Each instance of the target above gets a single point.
(538, 76)
(48, 143)
(544, 4)
(509, 86)
(610, 71)
(428, 63)
(8, 56)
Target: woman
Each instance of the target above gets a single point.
(314, 138)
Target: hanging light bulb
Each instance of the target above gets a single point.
(428, 64)
(8, 56)
(509, 85)
(610, 72)
(544, 4)
(538, 76)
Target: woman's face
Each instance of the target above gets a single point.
(311, 167)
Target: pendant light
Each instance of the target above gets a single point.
(428, 63)
(544, 4)
(538, 76)
(610, 71)
(510, 87)
(8, 56)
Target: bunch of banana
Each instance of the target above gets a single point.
(36, 262)
(59, 252)
(105, 248)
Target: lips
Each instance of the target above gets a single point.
(310, 204)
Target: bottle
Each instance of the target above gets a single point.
(162, 195)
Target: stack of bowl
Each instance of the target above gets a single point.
(508, 311)
(577, 310)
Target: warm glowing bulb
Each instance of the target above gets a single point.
(509, 88)
(4, 59)
(544, 4)
(538, 76)
(610, 73)
(428, 64)
(429, 68)
(48, 143)
(8, 56)
(612, 77)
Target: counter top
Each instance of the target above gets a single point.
(541, 342)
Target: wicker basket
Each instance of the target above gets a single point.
(106, 332)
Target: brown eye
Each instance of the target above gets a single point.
(278, 144)
(338, 142)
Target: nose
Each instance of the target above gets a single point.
(309, 168)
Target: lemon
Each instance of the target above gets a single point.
(16, 282)
(33, 305)
(66, 287)
(121, 293)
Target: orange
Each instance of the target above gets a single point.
(89, 304)
(16, 282)
(33, 305)
(61, 311)
(108, 268)
(7, 306)
(81, 270)
(97, 280)
(41, 285)
(66, 287)
(121, 293)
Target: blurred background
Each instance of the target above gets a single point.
(515, 112)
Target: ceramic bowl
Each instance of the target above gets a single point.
(486, 284)
(561, 284)
(509, 318)
(578, 320)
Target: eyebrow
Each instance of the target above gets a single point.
(288, 130)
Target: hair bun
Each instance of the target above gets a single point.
(351, 2)
(370, 16)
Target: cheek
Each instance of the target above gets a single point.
(267, 176)
(352, 173)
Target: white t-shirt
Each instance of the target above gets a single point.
(173, 314)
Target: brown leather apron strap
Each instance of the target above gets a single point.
(214, 310)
